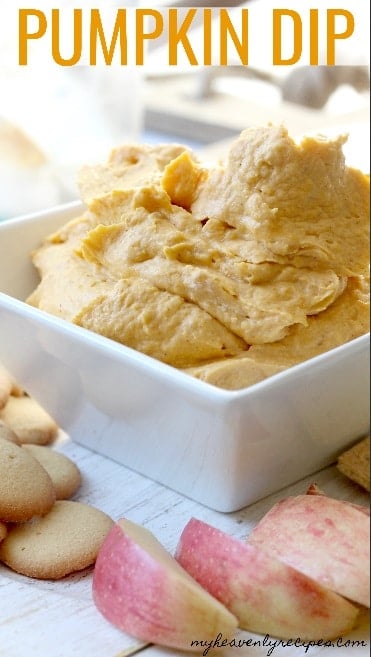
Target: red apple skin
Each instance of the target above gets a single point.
(266, 595)
(145, 593)
(313, 489)
(327, 539)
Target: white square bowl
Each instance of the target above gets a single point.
(225, 449)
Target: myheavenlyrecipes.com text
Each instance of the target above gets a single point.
(271, 644)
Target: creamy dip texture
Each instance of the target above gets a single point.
(232, 272)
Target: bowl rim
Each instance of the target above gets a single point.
(60, 208)
(169, 373)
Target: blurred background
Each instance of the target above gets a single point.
(53, 119)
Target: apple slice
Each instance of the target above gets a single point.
(140, 588)
(327, 539)
(313, 489)
(266, 595)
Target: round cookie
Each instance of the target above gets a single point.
(6, 384)
(65, 540)
(3, 531)
(26, 489)
(17, 390)
(8, 434)
(30, 422)
(64, 474)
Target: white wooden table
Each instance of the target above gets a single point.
(59, 619)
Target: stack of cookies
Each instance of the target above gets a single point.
(43, 533)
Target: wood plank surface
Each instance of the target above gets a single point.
(59, 619)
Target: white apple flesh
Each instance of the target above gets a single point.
(327, 539)
(266, 595)
(141, 589)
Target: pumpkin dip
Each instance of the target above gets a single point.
(232, 272)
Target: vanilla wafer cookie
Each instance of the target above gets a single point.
(7, 433)
(29, 421)
(26, 489)
(355, 463)
(63, 472)
(65, 540)
(3, 531)
(6, 384)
